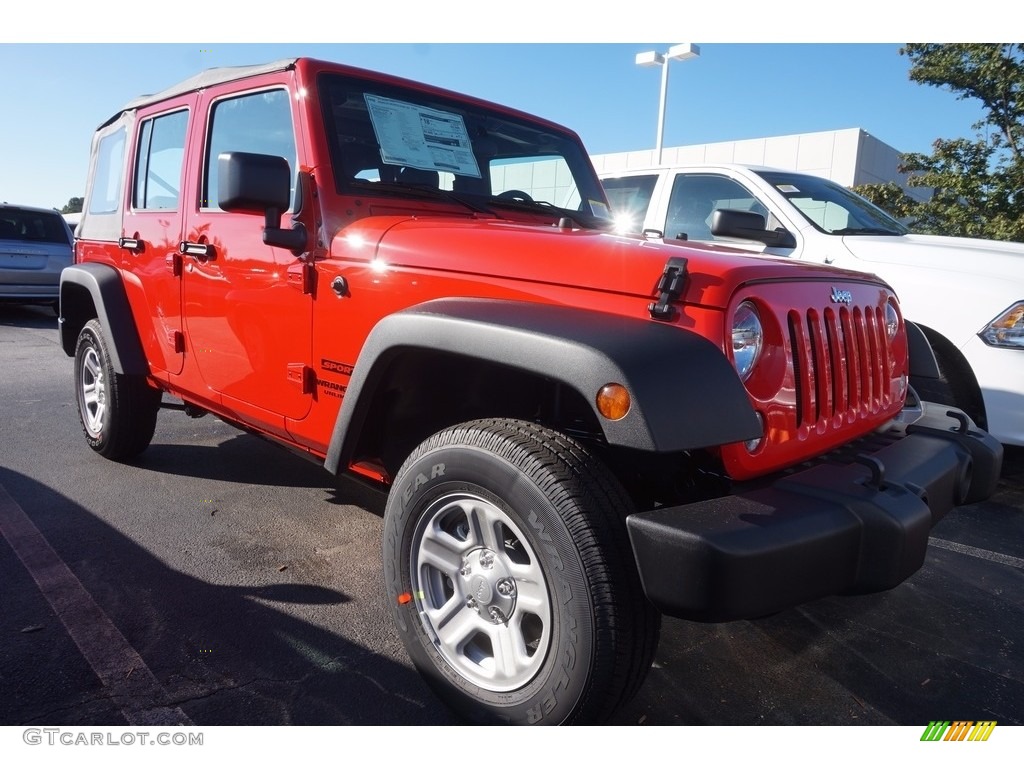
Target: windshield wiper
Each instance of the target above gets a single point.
(585, 221)
(426, 192)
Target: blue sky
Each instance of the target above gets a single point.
(732, 91)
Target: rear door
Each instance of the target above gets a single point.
(153, 224)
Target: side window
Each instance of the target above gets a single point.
(695, 197)
(158, 162)
(256, 122)
(630, 197)
(105, 187)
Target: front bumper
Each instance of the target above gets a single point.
(849, 524)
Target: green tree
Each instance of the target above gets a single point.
(978, 184)
(74, 205)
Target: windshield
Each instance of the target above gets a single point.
(396, 141)
(831, 208)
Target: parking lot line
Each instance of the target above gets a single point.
(119, 667)
(985, 554)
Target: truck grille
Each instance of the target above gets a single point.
(840, 363)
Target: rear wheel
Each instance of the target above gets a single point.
(118, 411)
(511, 578)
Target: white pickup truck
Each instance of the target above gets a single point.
(966, 295)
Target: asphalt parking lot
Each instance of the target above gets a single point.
(222, 581)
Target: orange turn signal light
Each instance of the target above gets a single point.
(613, 401)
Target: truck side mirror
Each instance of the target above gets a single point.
(248, 182)
(747, 225)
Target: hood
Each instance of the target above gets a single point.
(582, 258)
(971, 256)
(969, 243)
(953, 285)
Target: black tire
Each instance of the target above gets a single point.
(956, 386)
(117, 411)
(506, 515)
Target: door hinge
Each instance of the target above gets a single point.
(173, 262)
(302, 375)
(302, 276)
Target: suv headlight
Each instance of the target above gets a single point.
(747, 338)
(1007, 330)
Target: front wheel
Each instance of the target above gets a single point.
(511, 579)
(118, 411)
(956, 384)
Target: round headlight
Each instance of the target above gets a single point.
(747, 338)
(892, 320)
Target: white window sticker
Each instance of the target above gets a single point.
(787, 189)
(419, 137)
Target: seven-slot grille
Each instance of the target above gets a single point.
(840, 363)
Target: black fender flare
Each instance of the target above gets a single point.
(685, 392)
(103, 283)
(922, 360)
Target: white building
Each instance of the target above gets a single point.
(849, 157)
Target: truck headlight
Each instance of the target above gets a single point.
(1007, 330)
(747, 338)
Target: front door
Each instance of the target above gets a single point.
(248, 325)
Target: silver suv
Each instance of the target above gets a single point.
(35, 245)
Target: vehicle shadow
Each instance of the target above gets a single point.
(225, 654)
(245, 458)
(237, 457)
(27, 316)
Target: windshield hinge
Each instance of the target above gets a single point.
(670, 288)
(302, 276)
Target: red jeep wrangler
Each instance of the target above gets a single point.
(577, 430)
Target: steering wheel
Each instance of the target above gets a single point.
(515, 194)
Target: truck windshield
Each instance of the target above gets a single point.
(390, 140)
(831, 208)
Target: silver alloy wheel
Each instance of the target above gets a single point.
(93, 393)
(480, 592)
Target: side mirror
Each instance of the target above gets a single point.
(252, 183)
(747, 225)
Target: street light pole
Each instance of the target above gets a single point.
(682, 52)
